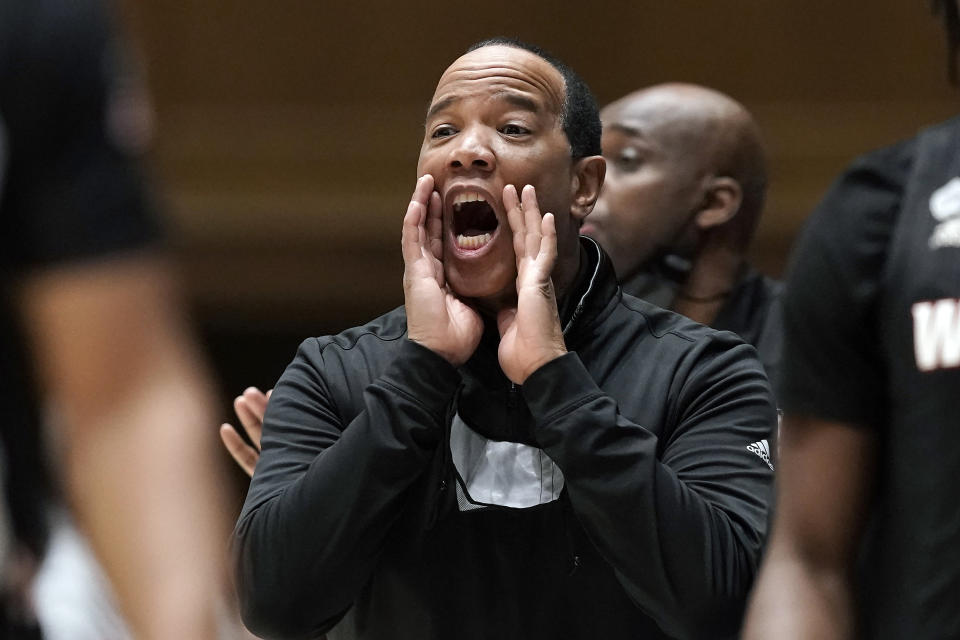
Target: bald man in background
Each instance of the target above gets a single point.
(685, 186)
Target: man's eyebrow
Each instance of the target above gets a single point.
(440, 105)
(519, 100)
(625, 129)
(516, 99)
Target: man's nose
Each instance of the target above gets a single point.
(472, 150)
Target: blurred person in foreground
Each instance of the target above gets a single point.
(681, 198)
(90, 326)
(866, 541)
(521, 451)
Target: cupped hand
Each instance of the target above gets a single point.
(530, 334)
(436, 318)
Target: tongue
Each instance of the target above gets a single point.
(474, 232)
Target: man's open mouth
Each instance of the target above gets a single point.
(474, 220)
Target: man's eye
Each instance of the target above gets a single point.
(628, 161)
(514, 130)
(443, 132)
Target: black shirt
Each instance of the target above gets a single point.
(872, 337)
(69, 191)
(752, 310)
(379, 506)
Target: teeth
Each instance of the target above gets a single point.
(472, 242)
(467, 196)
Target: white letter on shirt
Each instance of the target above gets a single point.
(936, 334)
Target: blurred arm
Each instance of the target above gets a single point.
(804, 589)
(113, 354)
(833, 392)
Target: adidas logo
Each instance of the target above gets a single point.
(762, 449)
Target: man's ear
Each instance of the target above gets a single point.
(587, 180)
(721, 202)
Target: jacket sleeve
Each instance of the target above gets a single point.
(325, 494)
(682, 521)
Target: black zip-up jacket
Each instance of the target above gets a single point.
(356, 520)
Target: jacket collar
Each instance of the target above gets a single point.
(593, 294)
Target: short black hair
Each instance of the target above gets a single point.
(580, 117)
(947, 9)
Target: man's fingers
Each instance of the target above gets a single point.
(423, 189)
(434, 236)
(533, 236)
(413, 220)
(531, 221)
(511, 202)
(242, 453)
(531, 209)
(435, 226)
(548, 241)
(410, 236)
(252, 421)
(256, 400)
(250, 408)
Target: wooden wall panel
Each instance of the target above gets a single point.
(288, 131)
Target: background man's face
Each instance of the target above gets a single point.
(648, 195)
(494, 120)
